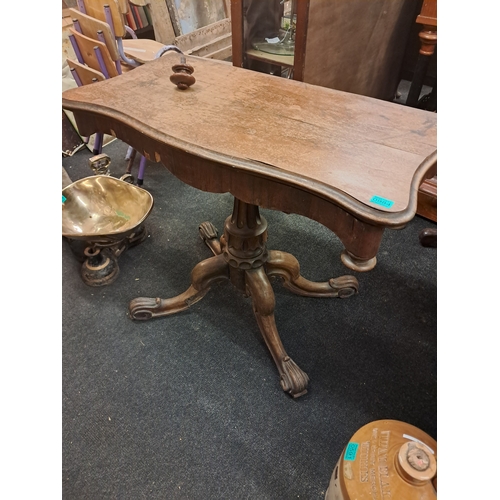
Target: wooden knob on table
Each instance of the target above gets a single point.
(182, 76)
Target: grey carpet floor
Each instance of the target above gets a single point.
(190, 406)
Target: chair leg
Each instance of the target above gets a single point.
(98, 143)
(142, 168)
(428, 238)
(129, 153)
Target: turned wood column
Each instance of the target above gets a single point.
(243, 243)
(428, 41)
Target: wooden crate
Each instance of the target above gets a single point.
(427, 199)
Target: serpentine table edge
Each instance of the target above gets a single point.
(358, 225)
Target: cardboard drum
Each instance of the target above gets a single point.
(386, 459)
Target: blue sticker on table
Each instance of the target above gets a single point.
(350, 451)
(63, 198)
(383, 202)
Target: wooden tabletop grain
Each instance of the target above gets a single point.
(338, 144)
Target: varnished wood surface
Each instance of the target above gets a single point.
(428, 13)
(337, 147)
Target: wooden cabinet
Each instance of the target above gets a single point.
(427, 20)
(355, 46)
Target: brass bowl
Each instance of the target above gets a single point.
(103, 210)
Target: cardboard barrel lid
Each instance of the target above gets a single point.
(386, 459)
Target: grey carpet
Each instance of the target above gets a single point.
(190, 406)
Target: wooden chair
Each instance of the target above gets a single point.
(98, 36)
(99, 31)
(93, 53)
(95, 63)
(132, 51)
(83, 75)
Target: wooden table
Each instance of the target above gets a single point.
(350, 162)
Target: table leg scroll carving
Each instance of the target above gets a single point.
(287, 267)
(210, 236)
(241, 256)
(203, 275)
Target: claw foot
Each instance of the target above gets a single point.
(143, 308)
(292, 379)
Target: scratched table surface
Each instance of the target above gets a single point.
(367, 154)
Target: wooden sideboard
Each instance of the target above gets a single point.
(427, 194)
(354, 46)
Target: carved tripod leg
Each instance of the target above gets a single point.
(293, 380)
(286, 266)
(210, 236)
(203, 275)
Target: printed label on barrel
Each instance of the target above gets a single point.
(350, 451)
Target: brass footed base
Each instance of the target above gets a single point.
(99, 268)
(100, 260)
(241, 257)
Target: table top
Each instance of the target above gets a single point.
(366, 155)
